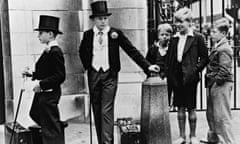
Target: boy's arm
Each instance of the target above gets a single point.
(203, 54)
(82, 51)
(225, 66)
(59, 75)
(133, 52)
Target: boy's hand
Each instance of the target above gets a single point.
(36, 87)
(26, 72)
(154, 68)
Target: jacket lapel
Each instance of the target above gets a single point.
(221, 43)
(110, 39)
(175, 45)
(188, 43)
(90, 40)
(110, 42)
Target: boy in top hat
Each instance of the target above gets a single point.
(99, 53)
(219, 82)
(49, 74)
(187, 56)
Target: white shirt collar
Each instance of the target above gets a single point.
(49, 45)
(220, 42)
(190, 33)
(52, 43)
(105, 30)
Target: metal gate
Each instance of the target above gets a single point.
(161, 11)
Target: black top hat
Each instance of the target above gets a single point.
(48, 23)
(99, 8)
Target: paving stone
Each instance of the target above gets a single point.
(78, 132)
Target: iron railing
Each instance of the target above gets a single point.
(161, 11)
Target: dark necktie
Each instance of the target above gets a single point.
(100, 39)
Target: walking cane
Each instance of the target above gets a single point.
(90, 121)
(18, 107)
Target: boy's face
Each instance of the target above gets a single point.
(44, 37)
(101, 22)
(163, 37)
(216, 35)
(182, 26)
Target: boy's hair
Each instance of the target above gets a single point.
(165, 26)
(183, 14)
(222, 25)
(55, 33)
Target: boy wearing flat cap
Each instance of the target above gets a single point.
(99, 53)
(187, 56)
(219, 83)
(49, 74)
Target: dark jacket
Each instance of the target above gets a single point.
(194, 59)
(86, 50)
(50, 69)
(219, 69)
(154, 57)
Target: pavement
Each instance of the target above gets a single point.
(78, 132)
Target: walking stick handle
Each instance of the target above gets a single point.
(17, 111)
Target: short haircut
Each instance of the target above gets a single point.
(222, 25)
(55, 33)
(165, 26)
(183, 14)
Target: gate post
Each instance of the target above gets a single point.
(155, 126)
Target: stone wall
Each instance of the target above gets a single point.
(131, 17)
(26, 48)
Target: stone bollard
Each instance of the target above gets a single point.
(155, 126)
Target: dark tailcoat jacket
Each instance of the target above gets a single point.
(194, 59)
(115, 39)
(50, 69)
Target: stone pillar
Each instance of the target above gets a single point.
(131, 17)
(6, 61)
(155, 126)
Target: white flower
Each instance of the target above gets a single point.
(114, 35)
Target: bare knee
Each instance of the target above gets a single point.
(181, 114)
(192, 115)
